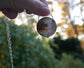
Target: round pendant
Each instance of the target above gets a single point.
(46, 27)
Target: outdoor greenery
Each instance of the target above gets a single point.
(33, 51)
(28, 50)
(67, 61)
(69, 46)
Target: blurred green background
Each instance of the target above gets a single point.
(30, 50)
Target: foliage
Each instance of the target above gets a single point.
(69, 46)
(28, 50)
(68, 62)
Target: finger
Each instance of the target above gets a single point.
(10, 13)
(44, 1)
(28, 12)
(19, 10)
(38, 7)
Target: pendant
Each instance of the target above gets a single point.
(46, 27)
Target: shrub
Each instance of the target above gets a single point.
(69, 46)
(68, 62)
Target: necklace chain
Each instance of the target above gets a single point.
(9, 44)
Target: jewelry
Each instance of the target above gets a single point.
(46, 26)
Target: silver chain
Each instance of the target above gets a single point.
(9, 44)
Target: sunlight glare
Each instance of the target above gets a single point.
(57, 12)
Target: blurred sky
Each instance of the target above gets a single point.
(74, 12)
